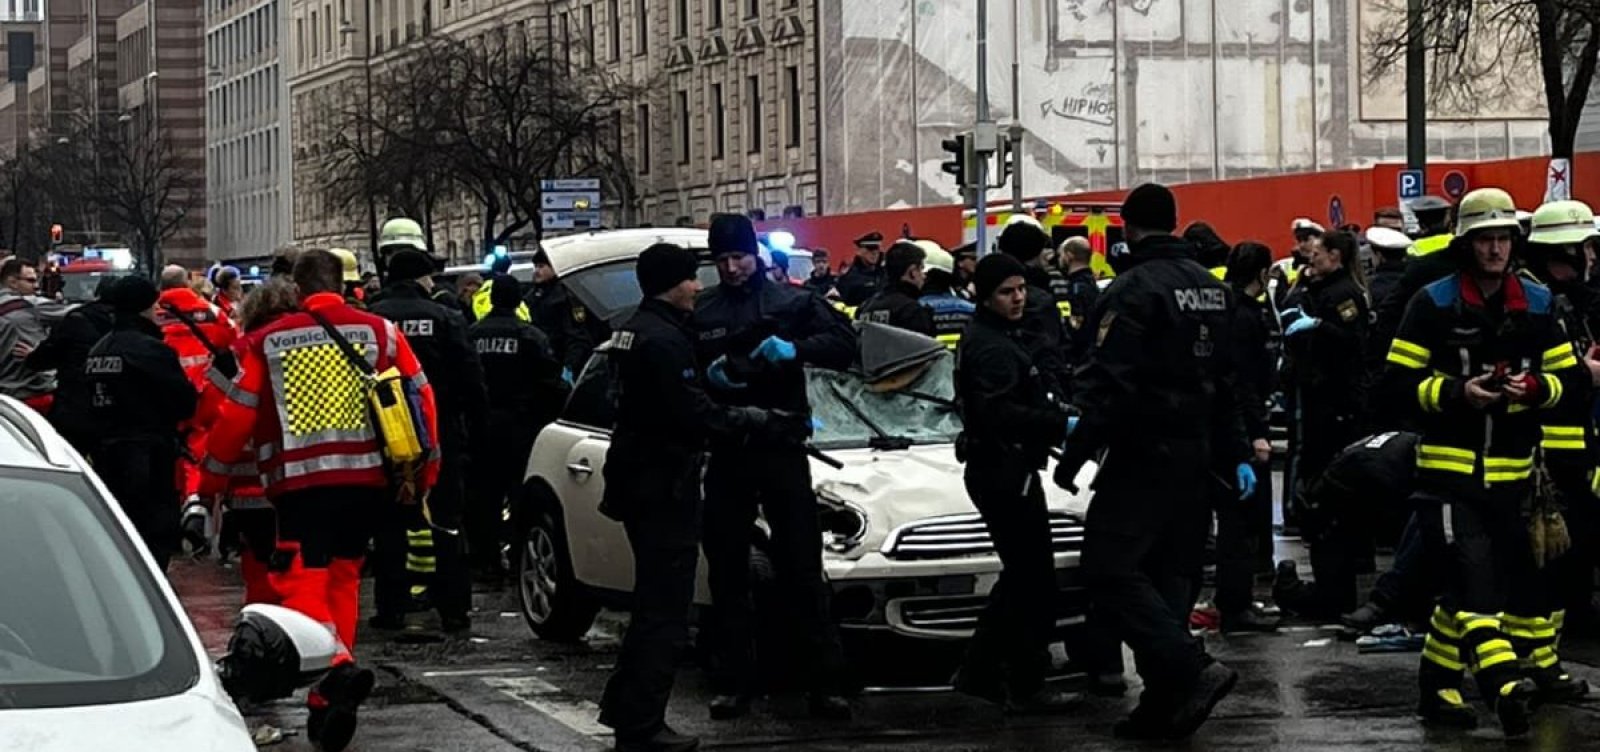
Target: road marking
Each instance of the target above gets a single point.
(473, 672)
(546, 698)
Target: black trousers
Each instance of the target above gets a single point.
(739, 481)
(665, 539)
(408, 552)
(142, 475)
(496, 479)
(1144, 540)
(1012, 640)
(1242, 525)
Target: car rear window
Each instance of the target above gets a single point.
(612, 290)
(82, 621)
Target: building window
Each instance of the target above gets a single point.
(792, 84)
(713, 14)
(683, 127)
(300, 40)
(719, 123)
(680, 25)
(641, 27)
(588, 30)
(315, 43)
(566, 41)
(328, 20)
(752, 9)
(615, 17)
(752, 110)
(641, 128)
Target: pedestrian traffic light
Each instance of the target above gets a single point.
(960, 163)
(56, 234)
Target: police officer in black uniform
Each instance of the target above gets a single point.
(573, 332)
(865, 276)
(526, 393)
(1326, 340)
(1011, 425)
(652, 469)
(138, 396)
(1024, 239)
(65, 351)
(438, 335)
(1082, 292)
(755, 337)
(896, 304)
(1158, 409)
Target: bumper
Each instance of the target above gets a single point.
(933, 599)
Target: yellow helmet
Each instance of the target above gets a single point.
(404, 233)
(352, 267)
(1562, 223)
(1485, 208)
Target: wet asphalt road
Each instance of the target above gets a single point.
(502, 689)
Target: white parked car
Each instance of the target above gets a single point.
(904, 550)
(95, 650)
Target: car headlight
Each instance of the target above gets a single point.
(843, 524)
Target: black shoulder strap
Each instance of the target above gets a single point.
(345, 347)
(188, 321)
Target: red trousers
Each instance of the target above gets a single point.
(322, 540)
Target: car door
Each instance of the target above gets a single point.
(570, 456)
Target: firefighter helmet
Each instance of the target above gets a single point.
(936, 258)
(1562, 223)
(352, 267)
(402, 232)
(1485, 208)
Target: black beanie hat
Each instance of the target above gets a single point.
(409, 264)
(993, 270)
(505, 292)
(731, 233)
(1151, 207)
(663, 265)
(133, 295)
(1023, 240)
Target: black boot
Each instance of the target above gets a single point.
(1514, 705)
(1444, 707)
(1213, 684)
(1363, 619)
(1249, 620)
(332, 725)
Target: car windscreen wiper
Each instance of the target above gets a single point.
(948, 404)
(883, 440)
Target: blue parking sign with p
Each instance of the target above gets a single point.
(1410, 184)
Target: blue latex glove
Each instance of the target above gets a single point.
(1072, 424)
(774, 349)
(1247, 480)
(816, 425)
(717, 374)
(1301, 325)
(566, 375)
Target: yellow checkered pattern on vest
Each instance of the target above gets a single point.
(322, 391)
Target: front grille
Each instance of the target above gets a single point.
(967, 535)
(943, 614)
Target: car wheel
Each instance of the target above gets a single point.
(553, 603)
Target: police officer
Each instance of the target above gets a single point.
(756, 337)
(65, 351)
(822, 279)
(1083, 290)
(1244, 529)
(966, 256)
(1326, 340)
(865, 276)
(1209, 247)
(664, 418)
(1011, 425)
(563, 318)
(138, 396)
(1024, 239)
(499, 271)
(1424, 261)
(897, 304)
(1157, 408)
(1481, 363)
(438, 335)
(951, 312)
(525, 394)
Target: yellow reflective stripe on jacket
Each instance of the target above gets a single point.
(1448, 459)
(1065, 307)
(1559, 357)
(1553, 388)
(1408, 354)
(1430, 394)
(1562, 437)
(1507, 469)
(949, 340)
(848, 310)
(1431, 244)
(482, 305)
(1220, 272)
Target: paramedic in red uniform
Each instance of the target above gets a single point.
(195, 329)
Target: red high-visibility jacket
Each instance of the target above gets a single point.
(304, 405)
(193, 354)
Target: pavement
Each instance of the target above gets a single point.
(500, 688)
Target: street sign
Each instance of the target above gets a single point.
(580, 200)
(1454, 184)
(570, 184)
(570, 220)
(1409, 184)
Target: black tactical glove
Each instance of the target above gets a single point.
(787, 428)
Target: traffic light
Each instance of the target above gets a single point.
(1006, 156)
(960, 163)
(56, 234)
